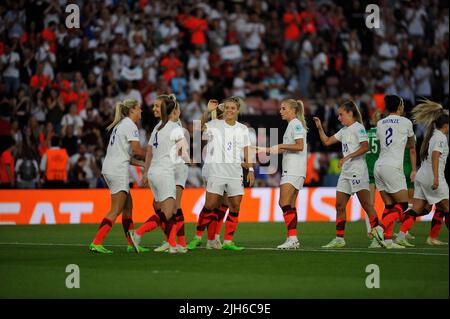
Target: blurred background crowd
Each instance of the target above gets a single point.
(61, 82)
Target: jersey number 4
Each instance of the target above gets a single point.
(389, 133)
(155, 143)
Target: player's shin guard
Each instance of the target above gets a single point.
(220, 216)
(213, 225)
(231, 225)
(392, 215)
(436, 223)
(340, 227)
(171, 231)
(127, 224)
(151, 223)
(409, 218)
(104, 228)
(180, 227)
(290, 219)
(204, 219)
(374, 221)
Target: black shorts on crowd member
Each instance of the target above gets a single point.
(6, 186)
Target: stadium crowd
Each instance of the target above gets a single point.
(61, 85)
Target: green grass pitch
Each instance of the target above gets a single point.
(33, 261)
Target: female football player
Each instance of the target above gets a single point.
(430, 186)
(160, 163)
(394, 133)
(124, 138)
(354, 177)
(229, 138)
(294, 149)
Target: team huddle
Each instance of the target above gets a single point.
(230, 161)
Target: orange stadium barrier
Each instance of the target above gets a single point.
(90, 205)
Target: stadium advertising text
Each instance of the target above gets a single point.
(89, 206)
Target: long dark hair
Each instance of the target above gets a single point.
(168, 104)
(350, 106)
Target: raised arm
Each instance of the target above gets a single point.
(212, 105)
(327, 141)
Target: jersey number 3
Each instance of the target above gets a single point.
(389, 136)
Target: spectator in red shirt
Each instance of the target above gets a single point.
(197, 26)
(39, 81)
(169, 64)
(7, 176)
(291, 21)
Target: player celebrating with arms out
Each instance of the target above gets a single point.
(430, 186)
(123, 140)
(394, 132)
(354, 177)
(160, 163)
(230, 138)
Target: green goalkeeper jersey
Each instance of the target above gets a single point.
(374, 150)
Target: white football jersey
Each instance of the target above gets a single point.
(351, 137)
(118, 153)
(294, 163)
(186, 135)
(438, 142)
(393, 132)
(164, 150)
(227, 144)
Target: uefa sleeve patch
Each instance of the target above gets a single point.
(298, 128)
(362, 131)
(135, 133)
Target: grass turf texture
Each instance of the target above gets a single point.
(32, 267)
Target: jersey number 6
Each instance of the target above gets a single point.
(113, 138)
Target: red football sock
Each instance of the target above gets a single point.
(231, 225)
(392, 215)
(436, 224)
(104, 228)
(221, 214)
(171, 231)
(290, 219)
(180, 228)
(127, 224)
(373, 221)
(409, 219)
(213, 225)
(340, 227)
(204, 219)
(151, 223)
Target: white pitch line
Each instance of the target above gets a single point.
(325, 250)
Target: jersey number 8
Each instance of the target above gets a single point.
(389, 133)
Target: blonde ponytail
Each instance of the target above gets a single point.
(300, 112)
(299, 108)
(426, 113)
(122, 110)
